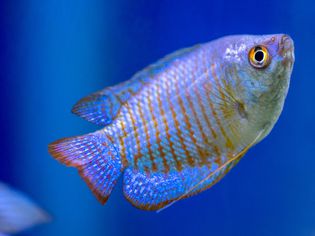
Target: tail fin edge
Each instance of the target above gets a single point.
(96, 158)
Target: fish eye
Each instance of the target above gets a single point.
(259, 57)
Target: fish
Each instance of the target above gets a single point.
(18, 212)
(180, 125)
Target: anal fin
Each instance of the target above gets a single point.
(157, 191)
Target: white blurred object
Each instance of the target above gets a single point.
(17, 212)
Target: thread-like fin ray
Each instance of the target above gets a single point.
(223, 169)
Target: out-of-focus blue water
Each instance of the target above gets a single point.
(52, 53)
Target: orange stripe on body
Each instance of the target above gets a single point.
(228, 144)
(203, 111)
(218, 83)
(168, 137)
(190, 159)
(178, 165)
(218, 158)
(201, 151)
(121, 138)
(137, 154)
(147, 137)
(122, 143)
(226, 108)
(229, 109)
(157, 135)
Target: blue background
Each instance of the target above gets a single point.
(54, 52)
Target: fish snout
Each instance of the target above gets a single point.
(286, 50)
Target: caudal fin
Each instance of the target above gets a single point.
(96, 158)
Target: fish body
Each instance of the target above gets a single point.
(178, 126)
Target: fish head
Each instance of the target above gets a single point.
(262, 61)
(260, 68)
(267, 59)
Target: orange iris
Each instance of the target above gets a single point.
(259, 57)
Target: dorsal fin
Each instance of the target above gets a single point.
(102, 107)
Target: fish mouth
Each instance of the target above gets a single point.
(286, 50)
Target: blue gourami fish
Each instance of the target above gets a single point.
(18, 212)
(178, 126)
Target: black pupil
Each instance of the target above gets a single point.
(259, 56)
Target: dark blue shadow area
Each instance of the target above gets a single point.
(52, 53)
